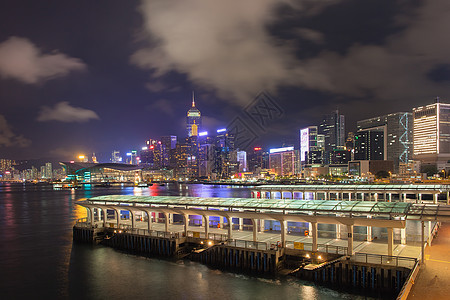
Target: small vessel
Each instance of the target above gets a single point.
(142, 184)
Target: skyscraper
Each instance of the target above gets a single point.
(369, 145)
(48, 170)
(333, 128)
(432, 134)
(397, 135)
(193, 120)
(169, 144)
(283, 161)
(308, 142)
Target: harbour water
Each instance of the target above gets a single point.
(39, 260)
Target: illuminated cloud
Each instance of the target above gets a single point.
(397, 70)
(220, 45)
(22, 60)
(63, 112)
(10, 139)
(224, 46)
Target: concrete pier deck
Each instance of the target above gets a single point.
(274, 237)
(433, 280)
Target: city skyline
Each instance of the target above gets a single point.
(87, 82)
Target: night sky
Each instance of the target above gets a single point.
(94, 76)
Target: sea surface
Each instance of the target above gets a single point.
(38, 259)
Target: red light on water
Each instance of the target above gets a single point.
(257, 148)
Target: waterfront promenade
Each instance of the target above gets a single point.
(433, 280)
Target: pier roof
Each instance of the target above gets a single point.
(289, 206)
(386, 188)
(254, 203)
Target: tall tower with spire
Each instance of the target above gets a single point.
(193, 120)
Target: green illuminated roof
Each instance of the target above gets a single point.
(359, 187)
(291, 205)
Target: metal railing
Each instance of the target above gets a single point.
(434, 231)
(211, 236)
(247, 244)
(378, 259)
(153, 233)
(403, 295)
(320, 248)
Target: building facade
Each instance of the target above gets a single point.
(432, 135)
(397, 130)
(284, 161)
(193, 120)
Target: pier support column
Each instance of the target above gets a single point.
(429, 233)
(283, 233)
(241, 223)
(338, 231)
(420, 198)
(230, 227)
(403, 236)
(117, 211)
(390, 241)
(91, 215)
(314, 236)
(310, 229)
(186, 223)
(375, 196)
(166, 222)
(369, 233)
(149, 220)
(255, 229)
(105, 214)
(206, 224)
(422, 245)
(390, 197)
(261, 225)
(133, 219)
(435, 198)
(350, 240)
(448, 198)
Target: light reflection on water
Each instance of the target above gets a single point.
(36, 252)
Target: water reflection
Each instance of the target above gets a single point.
(36, 252)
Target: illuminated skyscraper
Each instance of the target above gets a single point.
(432, 134)
(396, 139)
(308, 142)
(48, 170)
(333, 127)
(283, 161)
(193, 120)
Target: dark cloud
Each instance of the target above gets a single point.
(221, 45)
(8, 138)
(64, 112)
(22, 60)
